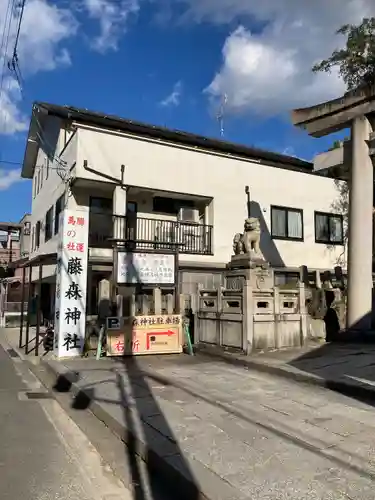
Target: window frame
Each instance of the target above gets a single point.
(286, 210)
(27, 228)
(175, 205)
(37, 234)
(330, 216)
(48, 224)
(101, 210)
(56, 223)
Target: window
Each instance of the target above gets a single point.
(26, 228)
(32, 239)
(131, 207)
(35, 182)
(170, 206)
(48, 225)
(59, 207)
(101, 205)
(47, 167)
(38, 181)
(41, 177)
(286, 223)
(37, 234)
(15, 235)
(329, 228)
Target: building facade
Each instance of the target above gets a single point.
(166, 188)
(13, 241)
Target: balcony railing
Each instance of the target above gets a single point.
(150, 234)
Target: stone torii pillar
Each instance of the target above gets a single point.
(355, 111)
(360, 244)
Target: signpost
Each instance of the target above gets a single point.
(71, 284)
(144, 335)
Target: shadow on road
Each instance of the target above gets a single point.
(145, 431)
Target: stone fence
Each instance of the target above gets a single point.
(250, 319)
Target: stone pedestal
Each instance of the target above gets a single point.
(249, 268)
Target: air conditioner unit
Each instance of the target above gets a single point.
(189, 215)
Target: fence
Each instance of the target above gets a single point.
(150, 234)
(251, 319)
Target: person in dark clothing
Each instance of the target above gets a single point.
(331, 319)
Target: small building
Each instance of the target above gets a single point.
(13, 242)
(173, 188)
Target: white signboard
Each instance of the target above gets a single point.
(145, 268)
(71, 284)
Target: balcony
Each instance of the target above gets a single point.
(8, 255)
(144, 234)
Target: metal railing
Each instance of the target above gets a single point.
(150, 234)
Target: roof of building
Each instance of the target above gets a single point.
(10, 226)
(85, 116)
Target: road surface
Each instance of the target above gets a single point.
(43, 454)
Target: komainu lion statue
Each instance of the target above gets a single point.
(250, 239)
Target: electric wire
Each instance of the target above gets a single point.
(16, 12)
(14, 67)
(4, 54)
(14, 62)
(22, 8)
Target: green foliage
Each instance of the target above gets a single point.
(338, 144)
(341, 206)
(335, 145)
(356, 62)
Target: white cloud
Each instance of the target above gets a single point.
(269, 70)
(47, 27)
(9, 177)
(12, 119)
(43, 29)
(113, 17)
(173, 99)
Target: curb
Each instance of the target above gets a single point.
(161, 455)
(357, 390)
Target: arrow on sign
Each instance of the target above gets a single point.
(154, 334)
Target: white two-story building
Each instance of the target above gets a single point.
(170, 187)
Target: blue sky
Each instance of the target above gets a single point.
(169, 63)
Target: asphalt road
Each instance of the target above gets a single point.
(43, 453)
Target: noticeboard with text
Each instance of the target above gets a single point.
(145, 268)
(154, 334)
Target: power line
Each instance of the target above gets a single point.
(21, 6)
(15, 11)
(13, 64)
(4, 53)
(5, 40)
(7, 162)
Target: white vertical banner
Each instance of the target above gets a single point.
(71, 284)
